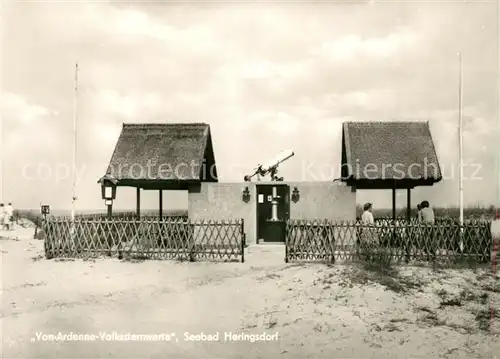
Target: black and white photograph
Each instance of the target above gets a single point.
(250, 179)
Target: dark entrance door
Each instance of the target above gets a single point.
(272, 231)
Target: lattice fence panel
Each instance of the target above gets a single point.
(148, 238)
(394, 241)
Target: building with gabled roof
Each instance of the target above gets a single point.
(163, 156)
(389, 155)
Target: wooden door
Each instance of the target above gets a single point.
(269, 231)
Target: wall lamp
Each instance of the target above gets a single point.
(108, 191)
(245, 194)
(295, 195)
(45, 209)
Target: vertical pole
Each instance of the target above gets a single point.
(138, 202)
(2, 149)
(110, 211)
(160, 197)
(460, 152)
(407, 240)
(243, 240)
(495, 236)
(393, 211)
(394, 202)
(497, 216)
(287, 241)
(408, 204)
(75, 121)
(460, 141)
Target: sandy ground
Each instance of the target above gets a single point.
(317, 311)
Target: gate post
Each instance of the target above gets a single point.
(286, 240)
(243, 240)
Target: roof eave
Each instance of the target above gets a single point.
(108, 177)
(439, 177)
(346, 140)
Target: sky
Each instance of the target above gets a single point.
(266, 76)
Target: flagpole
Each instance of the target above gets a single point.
(73, 169)
(495, 224)
(460, 141)
(497, 212)
(1, 157)
(2, 146)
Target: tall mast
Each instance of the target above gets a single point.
(460, 141)
(497, 215)
(75, 121)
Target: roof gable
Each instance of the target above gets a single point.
(389, 151)
(163, 152)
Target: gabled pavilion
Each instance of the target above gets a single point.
(389, 155)
(169, 156)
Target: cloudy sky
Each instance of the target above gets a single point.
(265, 76)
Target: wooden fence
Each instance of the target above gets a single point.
(147, 238)
(408, 241)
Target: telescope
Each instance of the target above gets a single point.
(271, 167)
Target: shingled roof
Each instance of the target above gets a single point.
(382, 155)
(161, 156)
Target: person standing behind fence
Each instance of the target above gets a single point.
(9, 214)
(368, 234)
(367, 216)
(413, 241)
(428, 219)
(427, 213)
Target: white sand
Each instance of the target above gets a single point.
(319, 311)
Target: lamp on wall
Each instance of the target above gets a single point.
(295, 195)
(245, 194)
(45, 209)
(108, 190)
(108, 193)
